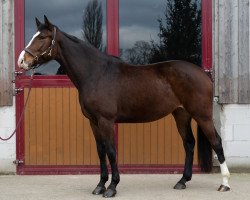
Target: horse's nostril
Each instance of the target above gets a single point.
(22, 61)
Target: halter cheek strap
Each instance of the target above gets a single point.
(47, 51)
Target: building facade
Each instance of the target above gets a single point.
(225, 49)
(232, 78)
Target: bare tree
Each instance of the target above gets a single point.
(139, 54)
(92, 23)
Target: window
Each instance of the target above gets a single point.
(154, 31)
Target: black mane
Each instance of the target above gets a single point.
(79, 41)
(73, 38)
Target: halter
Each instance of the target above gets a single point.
(47, 51)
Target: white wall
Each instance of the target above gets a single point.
(7, 148)
(235, 133)
(7, 113)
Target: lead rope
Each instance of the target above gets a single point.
(22, 114)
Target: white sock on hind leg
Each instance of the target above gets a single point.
(225, 174)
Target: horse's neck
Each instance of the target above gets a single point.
(78, 60)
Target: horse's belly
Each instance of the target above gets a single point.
(139, 118)
(146, 100)
(146, 112)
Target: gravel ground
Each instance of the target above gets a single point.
(131, 187)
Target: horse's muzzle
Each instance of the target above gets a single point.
(22, 63)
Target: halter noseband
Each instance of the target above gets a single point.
(47, 51)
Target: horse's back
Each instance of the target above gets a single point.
(149, 92)
(179, 74)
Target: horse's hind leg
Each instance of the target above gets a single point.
(183, 122)
(215, 140)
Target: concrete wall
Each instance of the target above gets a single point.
(7, 148)
(235, 132)
(232, 121)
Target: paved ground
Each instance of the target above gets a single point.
(152, 187)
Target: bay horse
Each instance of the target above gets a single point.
(112, 91)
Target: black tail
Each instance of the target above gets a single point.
(204, 152)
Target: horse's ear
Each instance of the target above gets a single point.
(38, 23)
(47, 22)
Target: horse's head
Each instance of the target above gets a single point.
(41, 48)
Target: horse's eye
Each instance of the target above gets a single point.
(42, 37)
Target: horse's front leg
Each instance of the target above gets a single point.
(101, 149)
(107, 128)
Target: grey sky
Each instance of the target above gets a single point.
(66, 14)
(138, 18)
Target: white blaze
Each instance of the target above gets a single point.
(21, 63)
(20, 59)
(34, 36)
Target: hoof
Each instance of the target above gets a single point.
(223, 188)
(180, 186)
(109, 193)
(99, 190)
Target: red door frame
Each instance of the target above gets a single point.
(59, 81)
(207, 54)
